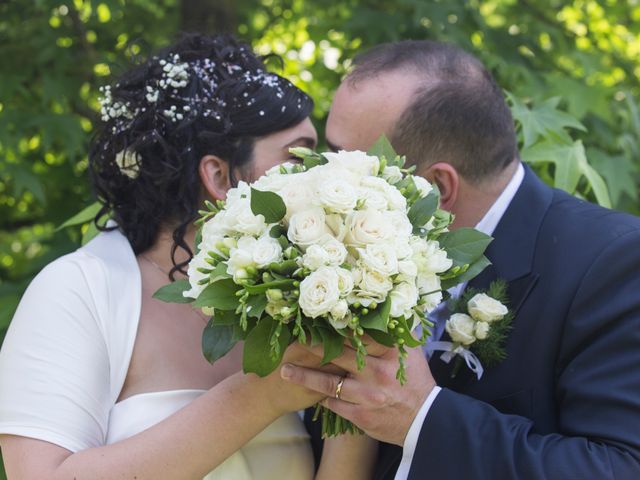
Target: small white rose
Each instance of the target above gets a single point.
(307, 226)
(345, 281)
(297, 193)
(482, 330)
(314, 258)
(319, 292)
(407, 269)
(430, 291)
(484, 308)
(367, 226)
(340, 315)
(373, 199)
(198, 261)
(266, 250)
(404, 297)
(392, 174)
(380, 258)
(334, 249)
(356, 161)
(423, 186)
(461, 328)
(241, 256)
(336, 195)
(374, 285)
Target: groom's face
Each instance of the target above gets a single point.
(364, 110)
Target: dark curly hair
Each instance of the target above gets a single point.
(203, 95)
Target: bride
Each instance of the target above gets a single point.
(99, 380)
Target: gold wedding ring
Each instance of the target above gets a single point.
(339, 387)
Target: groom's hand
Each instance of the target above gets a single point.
(372, 398)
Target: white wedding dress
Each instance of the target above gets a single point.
(65, 359)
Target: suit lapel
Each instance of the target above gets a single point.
(511, 254)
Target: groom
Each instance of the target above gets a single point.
(565, 404)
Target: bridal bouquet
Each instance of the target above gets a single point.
(337, 249)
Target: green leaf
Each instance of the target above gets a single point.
(570, 164)
(256, 305)
(543, 120)
(421, 212)
(377, 319)
(474, 270)
(225, 317)
(219, 273)
(333, 344)
(220, 294)
(382, 148)
(382, 338)
(217, 341)
(87, 214)
(268, 204)
(172, 293)
(256, 356)
(618, 171)
(464, 245)
(409, 340)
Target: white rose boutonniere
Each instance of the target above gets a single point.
(478, 328)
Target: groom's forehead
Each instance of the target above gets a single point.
(361, 111)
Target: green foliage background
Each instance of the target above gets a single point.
(571, 68)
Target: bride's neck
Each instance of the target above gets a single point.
(160, 251)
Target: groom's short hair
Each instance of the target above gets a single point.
(459, 114)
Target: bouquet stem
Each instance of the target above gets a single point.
(333, 424)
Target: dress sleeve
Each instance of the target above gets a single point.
(54, 363)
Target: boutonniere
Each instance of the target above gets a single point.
(478, 327)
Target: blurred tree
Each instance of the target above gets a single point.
(571, 67)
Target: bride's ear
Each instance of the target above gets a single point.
(214, 174)
(447, 179)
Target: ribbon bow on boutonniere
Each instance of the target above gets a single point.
(478, 328)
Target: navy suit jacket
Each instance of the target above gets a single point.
(565, 403)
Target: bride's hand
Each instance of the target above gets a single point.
(286, 396)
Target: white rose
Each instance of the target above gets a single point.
(461, 327)
(307, 227)
(198, 261)
(392, 174)
(337, 226)
(482, 330)
(430, 291)
(345, 281)
(423, 186)
(374, 285)
(336, 253)
(404, 297)
(396, 200)
(319, 292)
(336, 195)
(266, 250)
(380, 258)
(373, 199)
(357, 162)
(297, 194)
(271, 183)
(407, 269)
(400, 223)
(241, 256)
(314, 258)
(484, 308)
(367, 226)
(241, 219)
(431, 258)
(339, 317)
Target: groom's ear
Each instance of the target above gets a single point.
(447, 179)
(214, 174)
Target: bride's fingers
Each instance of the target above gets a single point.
(327, 384)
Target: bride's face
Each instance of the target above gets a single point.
(273, 149)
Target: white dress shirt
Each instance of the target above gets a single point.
(487, 225)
